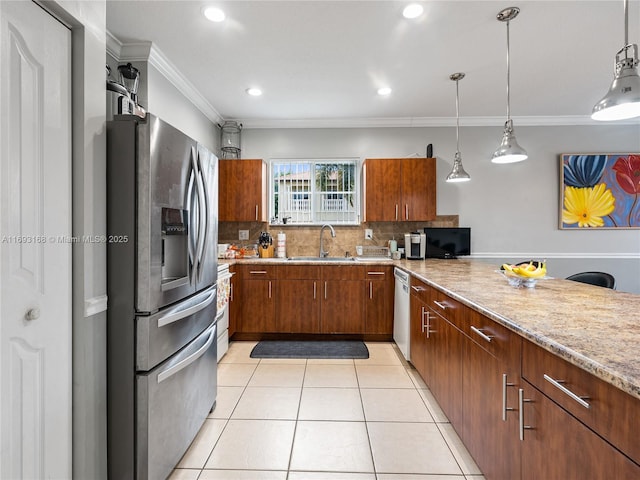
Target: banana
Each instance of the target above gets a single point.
(537, 272)
(507, 267)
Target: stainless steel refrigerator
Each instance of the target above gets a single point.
(162, 219)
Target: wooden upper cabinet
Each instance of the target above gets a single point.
(242, 192)
(399, 189)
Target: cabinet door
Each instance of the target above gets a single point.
(490, 427)
(342, 306)
(382, 190)
(418, 189)
(258, 306)
(378, 300)
(242, 191)
(557, 446)
(443, 366)
(298, 306)
(234, 303)
(417, 336)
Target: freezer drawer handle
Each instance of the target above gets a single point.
(169, 372)
(179, 315)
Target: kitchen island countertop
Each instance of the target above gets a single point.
(594, 328)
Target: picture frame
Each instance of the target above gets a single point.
(599, 191)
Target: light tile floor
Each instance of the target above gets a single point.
(310, 419)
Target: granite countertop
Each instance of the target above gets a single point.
(594, 328)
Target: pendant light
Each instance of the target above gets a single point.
(509, 151)
(622, 101)
(457, 173)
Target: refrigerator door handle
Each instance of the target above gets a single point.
(171, 371)
(206, 217)
(202, 217)
(190, 237)
(180, 314)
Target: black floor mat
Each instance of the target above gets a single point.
(310, 349)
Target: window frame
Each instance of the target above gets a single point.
(312, 194)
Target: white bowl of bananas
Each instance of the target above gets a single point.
(524, 274)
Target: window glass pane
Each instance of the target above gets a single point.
(314, 191)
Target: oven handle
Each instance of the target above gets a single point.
(171, 371)
(180, 314)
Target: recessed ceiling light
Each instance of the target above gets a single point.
(254, 92)
(413, 10)
(383, 91)
(214, 14)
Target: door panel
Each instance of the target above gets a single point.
(35, 252)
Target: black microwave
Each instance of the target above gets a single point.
(447, 242)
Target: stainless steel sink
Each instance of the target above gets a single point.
(321, 259)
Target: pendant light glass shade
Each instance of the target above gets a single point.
(622, 101)
(458, 173)
(509, 150)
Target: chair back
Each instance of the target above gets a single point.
(600, 279)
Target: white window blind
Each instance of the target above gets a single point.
(314, 191)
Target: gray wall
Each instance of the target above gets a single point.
(512, 210)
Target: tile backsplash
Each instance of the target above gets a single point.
(305, 240)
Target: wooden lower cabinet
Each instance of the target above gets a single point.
(436, 346)
(556, 446)
(258, 311)
(298, 306)
(490, 401)
(378, 300)
(234, 302)
(342, 306)
(476, 370)
(443, 365)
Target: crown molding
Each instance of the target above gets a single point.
(147, 52)
(404, 122)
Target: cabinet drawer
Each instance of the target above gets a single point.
(258, 271)
(420, 290)
(448, 308)
(377, 272)
(342, 272)
(499, 341)
(304, 272)
(609, 411)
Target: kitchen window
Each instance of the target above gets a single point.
(317, 191)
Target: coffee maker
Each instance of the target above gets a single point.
(415, 245)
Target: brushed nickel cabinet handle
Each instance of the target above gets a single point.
(257, 272)
(269, 288)
(417, 288)
(370, 290)
(505, 409)
(375, 273)
(256, 213)
(406, 212)
(566, 391)
(396, 211)
(442, 305)
(521, 402)
(314, 290)
(481, 334)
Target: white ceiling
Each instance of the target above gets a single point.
(321, 62)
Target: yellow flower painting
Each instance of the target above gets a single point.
(599, 191)
(587, 206)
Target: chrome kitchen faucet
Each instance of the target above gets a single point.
(324, 254)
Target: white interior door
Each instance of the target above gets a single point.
(35, 246)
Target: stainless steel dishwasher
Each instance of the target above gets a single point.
(401, 316)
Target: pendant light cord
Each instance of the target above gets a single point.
(457, 120)
(508, 76)
(626, 23)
